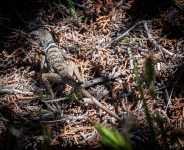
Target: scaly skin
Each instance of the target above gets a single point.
(58, 66)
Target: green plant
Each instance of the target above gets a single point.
(150, 78)
(72, 8)
(46, 139)
(113, 138)
(160, 124)
(74, 97)
(148, 117)
(150, 75)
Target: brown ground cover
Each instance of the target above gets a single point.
(103, 38)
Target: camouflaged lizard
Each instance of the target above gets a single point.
(59, 69)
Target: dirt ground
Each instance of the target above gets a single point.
(107, 39)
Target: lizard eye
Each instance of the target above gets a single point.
(33, 36)
(36, 39)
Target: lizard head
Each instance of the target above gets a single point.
(42, 37)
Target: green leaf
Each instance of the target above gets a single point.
(46, 139)
(152, 91)
(4, 119)
(80, 17)
(113, 138)
(149, 70)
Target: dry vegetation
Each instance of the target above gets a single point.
(103, 37)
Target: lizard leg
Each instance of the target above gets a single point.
(50, 77)
(75, 70)
(42, 62)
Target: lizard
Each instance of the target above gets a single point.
(58, 68)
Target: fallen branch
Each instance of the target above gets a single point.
(153, 41)
(102, 79)
(124, 34)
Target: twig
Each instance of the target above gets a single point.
(64, 118)
(179, 4)
(169, 97)
(153, 41)
(7, 88)
(101, 95)
(124, 34)
(130, 56)
(179, 44)
(102, 79)
(57, 100)
(121, 2)
(11, 89)
(23, 92)
(80, 6)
